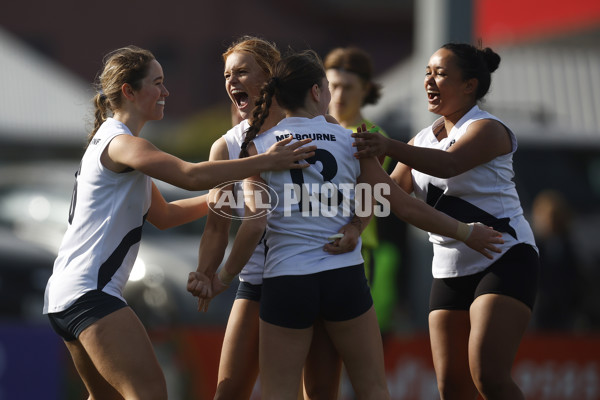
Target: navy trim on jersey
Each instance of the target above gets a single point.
(114, 261)
(466, 212)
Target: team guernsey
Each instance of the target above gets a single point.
(312, 203)
(102, 240)
(485, 194)
(253, 270)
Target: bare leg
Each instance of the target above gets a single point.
(238, 367)
(282, 355)
(323, 367)
(498, 324)
(359, 343)
(449, 336)
(94, 382)
(121, 352)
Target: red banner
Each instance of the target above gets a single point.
(559, 367)
(514, 21)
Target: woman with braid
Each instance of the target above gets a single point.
(249, 62)
(113, 196)
(301, 283)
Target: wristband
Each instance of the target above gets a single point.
(463, 231)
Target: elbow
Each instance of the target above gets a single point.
(449, 171)
(162, 224)
(195, 179)
(216, 228)
(257, 231)
(254, 230)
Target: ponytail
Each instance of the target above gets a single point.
(259, 114)
(125, 65)
(101, 109)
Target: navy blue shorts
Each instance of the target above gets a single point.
(296, 301)
(86, 310)
(248, 291)
(515, 274)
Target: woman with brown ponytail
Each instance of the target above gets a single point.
(462, 165)
(113, 196)
(249, 63)
(301, 283)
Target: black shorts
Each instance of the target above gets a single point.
(248, 291)
(86, 310)
(296, 301)
(515, 274)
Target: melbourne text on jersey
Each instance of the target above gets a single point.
(314, 136)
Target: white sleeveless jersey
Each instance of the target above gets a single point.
(253, 270)
(485, 194)
(319, 204)
(102, 240)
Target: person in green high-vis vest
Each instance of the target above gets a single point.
(349, 72)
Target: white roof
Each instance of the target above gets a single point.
(41, 102)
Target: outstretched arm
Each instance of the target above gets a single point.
(126, 151)
(423, 216)
(164, 215)
(484, 140)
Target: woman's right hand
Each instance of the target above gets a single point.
(199, 284)
(284, 156)
(483, 238)
(369, 144)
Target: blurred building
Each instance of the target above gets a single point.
(188, 37)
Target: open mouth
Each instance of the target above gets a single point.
(431, 95)
(240, 98)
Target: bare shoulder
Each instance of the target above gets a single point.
(489, 127)
(219, 150)
(129, 142)
(493, 132)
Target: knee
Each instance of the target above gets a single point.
(488, 382)
(323, 391)
(153, 390)
(454, 387)
(451, 390)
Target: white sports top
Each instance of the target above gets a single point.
(102, 240)
(253, 270)
(485, 194)
(301, 221)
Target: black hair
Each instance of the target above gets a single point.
(475, 63)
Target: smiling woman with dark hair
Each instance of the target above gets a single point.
(463, 165)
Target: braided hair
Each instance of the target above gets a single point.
(293, 76)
